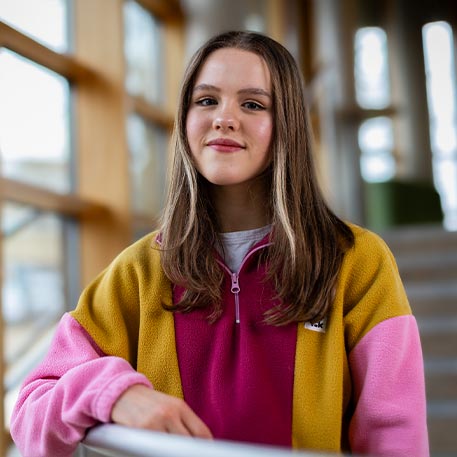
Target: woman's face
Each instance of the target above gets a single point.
(230, 119)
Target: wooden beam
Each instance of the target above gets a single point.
(102, 155)
(4, 435)
(150, 112)
(275, 20)
(47, 200)
(64, 64)
(174, 63)
(357, 114)
(165, 10)
(307, 40)
(7, 441)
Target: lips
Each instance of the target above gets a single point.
(225, 145)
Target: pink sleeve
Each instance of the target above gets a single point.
(74, 388)
(389, 391)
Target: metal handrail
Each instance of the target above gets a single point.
(118, 441)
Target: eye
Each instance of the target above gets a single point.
(206, 101)
(253, 106)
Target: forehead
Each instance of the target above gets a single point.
(231, 67)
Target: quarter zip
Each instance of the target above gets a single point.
(235, 278)
(235, 289)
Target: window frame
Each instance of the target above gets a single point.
(104, 218)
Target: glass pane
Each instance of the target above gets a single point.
(33, 284)
(377, 167)
(34, 123)
(446, 181)
(371, 68)
(376, 144)
(43, 20)
(439, 65)
(148, 164)
(441, 94)
(376, 134)
(143, 44)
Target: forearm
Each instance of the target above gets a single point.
(73, 388)
(389, 392)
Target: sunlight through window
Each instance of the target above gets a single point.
(441, 95)
(143, 53)
(148, 157)
(376, 143)
(372, 88)
(34, 123)
(371, 68)
(45, 20)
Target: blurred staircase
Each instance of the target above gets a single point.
(427, 260)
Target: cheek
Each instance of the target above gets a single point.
(190, 127)
(193, 129)
(264, 132)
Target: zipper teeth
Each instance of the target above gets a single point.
(237, 308)
(234, 277)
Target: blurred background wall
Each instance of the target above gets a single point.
(88, 90)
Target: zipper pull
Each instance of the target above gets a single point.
(235, 290)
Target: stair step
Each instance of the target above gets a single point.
(442, 409)
(442, 426)
(430, 308)
(424, 238)
(433, 298)
(437, 324)
(441, 378)
(425, 266)
(427, 260)
(438, 336)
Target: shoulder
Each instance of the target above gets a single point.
(124, 278)
(367, 242)
(368, 256)
(369, 259)
(370, 288)
(110, 307)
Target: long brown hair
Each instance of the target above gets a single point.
(308, 239)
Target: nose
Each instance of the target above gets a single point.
(225, 120)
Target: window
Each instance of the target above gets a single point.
(34, 123)
(35, 155)
(64, 116)
(376, 143)
(372, 89)
(143, 45)
(148, 123)
(371, 68)
(33, 260)
(34, 285)
(45, 21)
(148, 162)
(441, 94)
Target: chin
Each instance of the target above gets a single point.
(224, 180)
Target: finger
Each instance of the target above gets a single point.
(194, 424)
(177, 428)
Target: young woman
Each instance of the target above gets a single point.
(254, 313)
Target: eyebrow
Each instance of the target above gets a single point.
(247, 90)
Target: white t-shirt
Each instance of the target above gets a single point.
(237, 244)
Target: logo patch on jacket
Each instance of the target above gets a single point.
(318, 326)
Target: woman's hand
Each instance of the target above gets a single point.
(142, 407)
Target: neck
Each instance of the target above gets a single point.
(241, 207)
